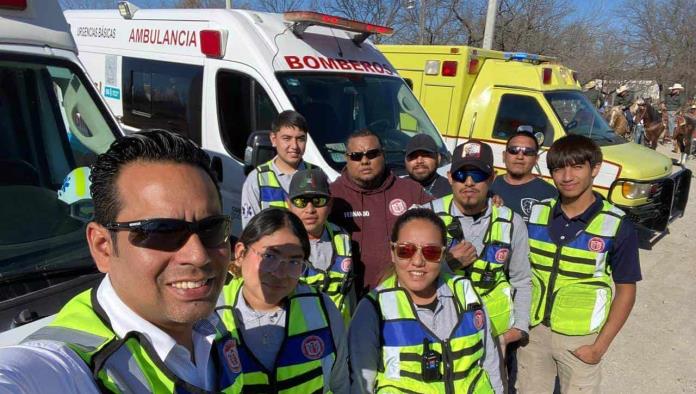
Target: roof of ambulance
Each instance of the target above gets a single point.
(41, 24)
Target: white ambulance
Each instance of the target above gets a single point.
(221, 76)
(52, 123)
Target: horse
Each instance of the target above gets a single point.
(617, 121)
(684, 135)
(652, 122)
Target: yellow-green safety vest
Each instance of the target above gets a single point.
(571, 282)
(487, 273)
(408, 346)
(337, 280)
(271, 193)
(129, 364)
(308, 352)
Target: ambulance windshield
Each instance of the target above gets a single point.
(579, 116)
(335, 105)
(51, 123)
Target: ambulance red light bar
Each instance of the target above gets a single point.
(449, 68)
(18, 5)
(213, 43)
(546, 75)
(304, 19)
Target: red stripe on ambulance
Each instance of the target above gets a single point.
(330, 63)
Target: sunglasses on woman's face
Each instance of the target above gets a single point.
(525, 150)
(406, 250)
(476, 175)
(358, 156)
(317, 202)
(171, 234)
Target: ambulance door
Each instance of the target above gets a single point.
(237, 102)
(515, 108)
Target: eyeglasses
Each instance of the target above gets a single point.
(317, 202)
(272, 262)
(406, 250)
(171, 234)
(476, 175)
(371, 154)
(525, 150)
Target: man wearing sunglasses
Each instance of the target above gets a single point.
(331, 257)
(267, 185)
(519, 188)
(368, 198)
(149, 326)
(499, 268)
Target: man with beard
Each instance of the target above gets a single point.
(421, 161)
(368, 198)
(519, 188)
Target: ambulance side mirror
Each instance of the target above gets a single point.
(258, 150)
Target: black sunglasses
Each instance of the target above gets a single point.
(371, 154)
(476, 175)
(171, 234)
(317, 201)
(525, 150)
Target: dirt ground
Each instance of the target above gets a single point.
(655, 352)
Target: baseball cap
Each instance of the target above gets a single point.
(473, 153)
(422, 142)
(309, 182)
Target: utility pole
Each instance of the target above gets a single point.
(421, 23)
(489, 33)
(228, 4)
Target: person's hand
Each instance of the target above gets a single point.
(511, 335)
(497, 201)
(463, 255)
(589, 354)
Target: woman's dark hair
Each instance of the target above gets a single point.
(145, 146)
(571, 150)
(290, 119)
(419, 213)
(270, 220)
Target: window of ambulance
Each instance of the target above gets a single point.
(519, 110)
(337, 104)
(51, 123)
(579, 116)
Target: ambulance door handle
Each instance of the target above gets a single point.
(216, 166)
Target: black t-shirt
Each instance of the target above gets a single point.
(520, 198)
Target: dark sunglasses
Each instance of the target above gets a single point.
(476, 175)
(171, 234)
(406, 250)
(527, 151)
(371, 154)
(317, 201)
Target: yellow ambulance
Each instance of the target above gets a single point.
(475, 93)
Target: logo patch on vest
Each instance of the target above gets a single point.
(232, 356)
(346, 264)
(313, 347)
(397, 207)
(479, 319)
(596, 244)
(502, 254)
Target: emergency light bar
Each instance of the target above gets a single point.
(303, 19)
(17, 5)
(522, 56)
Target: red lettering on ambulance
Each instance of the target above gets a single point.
(356, 65)
(311, 62)
(367, 67)
(328, 63)
(343, 64)
(192, 39)
(294, 62)
(378, 67)
(387, 69)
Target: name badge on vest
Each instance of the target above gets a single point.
(487, 279)
(430, 363)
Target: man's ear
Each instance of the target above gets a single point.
(101, 245)
(449, 177)
(273, 137)
(595, 169)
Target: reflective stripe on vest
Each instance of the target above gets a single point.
(306, 357)
(404, 339)
(571, 283)
(337, 281)
(128, 364)
(271, 193)
(495, 291)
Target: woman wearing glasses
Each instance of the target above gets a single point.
(287, 335)
(422, 330)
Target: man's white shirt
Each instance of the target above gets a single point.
(48, 366)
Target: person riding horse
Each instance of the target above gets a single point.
(649, 124)
(593, 94)
(684, 133)
(624, 99)
(674, 102)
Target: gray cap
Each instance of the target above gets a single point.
(421, 142)
(311, 182)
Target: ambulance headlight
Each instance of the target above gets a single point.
(126, 9)
(634, 191)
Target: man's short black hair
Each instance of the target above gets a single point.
(363, 133)
(145, 146)
(291, 119)
(571, 150)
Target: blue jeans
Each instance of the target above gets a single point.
(671, 123)
(639, 134)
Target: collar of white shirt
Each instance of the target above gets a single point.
(175, 357)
